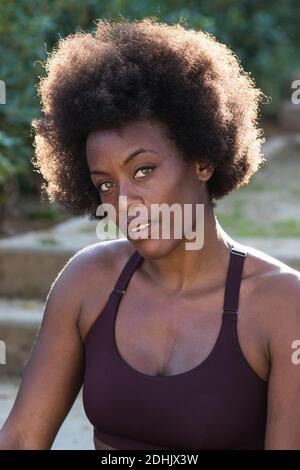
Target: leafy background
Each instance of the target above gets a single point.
(264, 34)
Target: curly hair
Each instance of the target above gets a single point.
(144, 69)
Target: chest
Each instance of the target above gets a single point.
(168, 335)
(165, 336)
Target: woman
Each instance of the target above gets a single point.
(175, 348)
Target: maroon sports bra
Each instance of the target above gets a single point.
(220, 404)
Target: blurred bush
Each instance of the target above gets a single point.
(264, 34)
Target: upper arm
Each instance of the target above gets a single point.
(54, 372)
(283, 416)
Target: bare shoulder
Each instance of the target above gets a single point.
(272, 279)
(91, 274)
(102, 254)
(274, 292)
(94, 264)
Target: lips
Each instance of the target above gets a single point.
(140, 226)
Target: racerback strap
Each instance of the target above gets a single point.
(233, 282)
(126, 273)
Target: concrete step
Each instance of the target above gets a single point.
(19, 323)
(29, 263)
(286, 250)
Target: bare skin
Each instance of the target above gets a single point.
(176, 281)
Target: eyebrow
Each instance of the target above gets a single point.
(126, 161)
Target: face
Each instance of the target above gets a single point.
(143, 164)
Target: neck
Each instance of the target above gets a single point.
(182, 270)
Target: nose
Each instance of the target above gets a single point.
(130, 202)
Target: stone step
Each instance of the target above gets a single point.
(19, 323)
(29, 263)
(286, 250)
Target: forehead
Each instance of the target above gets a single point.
(131, 135)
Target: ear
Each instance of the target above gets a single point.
(204, 170)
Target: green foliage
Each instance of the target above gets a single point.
(264, 35)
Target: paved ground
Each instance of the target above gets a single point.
(76, 431)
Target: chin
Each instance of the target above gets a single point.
(154, 249)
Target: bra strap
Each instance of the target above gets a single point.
(126, 273)
(233, 282)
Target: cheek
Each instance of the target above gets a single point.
(178, 186)
(186, 189)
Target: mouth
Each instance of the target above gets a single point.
(140, 227)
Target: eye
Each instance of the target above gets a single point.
(101, 186)
(105, 186)
(145, 169)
